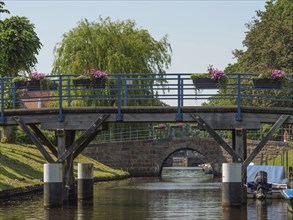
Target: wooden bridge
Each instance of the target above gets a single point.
(141, 98)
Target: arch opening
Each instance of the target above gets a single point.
(184, 161)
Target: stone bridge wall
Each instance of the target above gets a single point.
(146, 158)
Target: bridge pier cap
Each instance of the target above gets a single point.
(53, 185)
(231, 184)
(85, 181)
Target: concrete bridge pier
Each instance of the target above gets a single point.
(53, 185)
(85, 183)
(231, 184)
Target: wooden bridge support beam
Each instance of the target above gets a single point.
(78, 144)
(44, 139)
(67, 149)
(34, 139)
(282, 119)
(64, 139)
(239, 144)
(217, 138)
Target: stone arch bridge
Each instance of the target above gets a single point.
(146, 158)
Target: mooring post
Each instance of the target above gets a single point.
(85, 182)
(53, 185)
(231, 184)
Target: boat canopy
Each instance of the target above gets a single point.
(276, 174)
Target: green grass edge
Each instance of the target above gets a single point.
(21, 166)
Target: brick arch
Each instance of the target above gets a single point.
(146, 158)
(212, 154)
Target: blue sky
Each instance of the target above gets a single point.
(200, 32)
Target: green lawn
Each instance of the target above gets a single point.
(277, 161)
(22, 166)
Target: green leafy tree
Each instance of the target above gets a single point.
(19, 45)
(2, 9)
(113, 47)
(269, 39)
(267, 42)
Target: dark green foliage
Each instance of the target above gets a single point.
(19, 46)
(269, 39)
(2, 9)
(112, 47)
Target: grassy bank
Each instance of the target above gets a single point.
(22, 166)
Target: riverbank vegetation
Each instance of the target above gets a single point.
(283, 160)
(22, 166)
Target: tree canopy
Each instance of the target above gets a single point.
(269, 40)
(113, 47)
(19, 45)
(2, 9)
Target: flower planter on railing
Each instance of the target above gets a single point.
(267, 84)
(20, 85)
(99, 83)
(35, 85)
(205, 83)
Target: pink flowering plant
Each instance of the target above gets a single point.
(98, 74)
(268, 72)
(26, 78)
(278, 74)
(91, 73)
(218, 75)
(161, 126)
(37, 76)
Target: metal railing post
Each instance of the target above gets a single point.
(13, 96)
(125, 93)
(2, 120)
(68, 93)
(119, 115)
(60, 115)
(182, 92)
(179, 116)
(239, 115)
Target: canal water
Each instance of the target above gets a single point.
(181, 194)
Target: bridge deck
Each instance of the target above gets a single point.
(80, 118)
(144, 98)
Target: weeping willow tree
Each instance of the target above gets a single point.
(114, 47)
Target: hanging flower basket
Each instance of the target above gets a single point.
(37, 85)
(205, 83)
(35, 82)
(215, 79)
(267, 84)
(20, 85)
(34, 85)
(98, 83)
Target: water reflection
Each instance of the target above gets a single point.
(179, 194)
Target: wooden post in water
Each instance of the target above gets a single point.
(231, 184)
(53, 185)
(240, 146)
(85, 182)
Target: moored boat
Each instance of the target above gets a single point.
(266, 182)
(288, 195)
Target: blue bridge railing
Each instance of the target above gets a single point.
(176, 89)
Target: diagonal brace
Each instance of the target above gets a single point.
(77, 144)
(217, 138)
(86, 143)
(263, 142)
(34, 139)
(43, 138)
